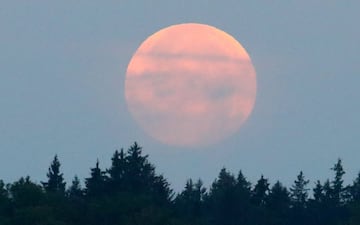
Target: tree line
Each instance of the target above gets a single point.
(130, 192)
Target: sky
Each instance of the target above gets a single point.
(62, 73)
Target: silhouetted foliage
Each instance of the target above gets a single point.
(75, 190)
(139, 172)
(299, 199)
(299, 192)
(130, 192)
(221, 201)
(355, 190)
(117, 172)
(5, 204)
(190, 202)
(55, 181)
(337, 189)
(95, 184)
(260, 192)
(278, 205)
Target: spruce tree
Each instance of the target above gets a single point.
(75, 190)
(139, 174)
(25, 193)
(278, 204)
(299, 200)
(354, 203)
(315, 207)
(243, 199)
(279, 197)
(222, 199)
(189, 202)
(161, 191)
(200, 190)
(328, 193)
(260, 192)
(329, 210)
(318, 192)
(55, 183)
(117, 171)
(299, 192)
(5, 206)
(243, 184)
(224, 182)
(355, 190)
(3, 191)
(337, 187)
(338, 195)
(95, 184)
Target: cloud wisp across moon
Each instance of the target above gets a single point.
(190, 85)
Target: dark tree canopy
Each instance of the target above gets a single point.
(355, 189)
(95, 184)
(260, 191)
(299, 191)
(337, 190)
(131, 192)
(55, 181)
(117, 171)
(278, 204)
(75, 188)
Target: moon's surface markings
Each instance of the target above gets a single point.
(190, 85)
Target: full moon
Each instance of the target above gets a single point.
(190, 85)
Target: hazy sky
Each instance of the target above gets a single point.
(62, 71)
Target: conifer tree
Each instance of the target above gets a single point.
(223, 188)
(299, 200)
(242, 184)
(354, 203)
(161, 190)
(328, 193)
(337, 187)
(338, 196)
(25, 193)
(95, 184)
(318, 192)
(55, 183)
(184, 201)
(278, 197)
(224, 182)
(5, 207)
(189, 202)
(328, 209)
(259, 197)
(139, 174)
(3, 191)
(222, 199)
(200, 191)
(278, 203)
(243, 199)
(260, 191)
(315, 209)
(355, 190)
(299, 192)
(117, 171)
(75, 190)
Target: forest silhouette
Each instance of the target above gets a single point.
(130, 192)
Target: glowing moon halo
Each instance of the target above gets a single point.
(190, 85)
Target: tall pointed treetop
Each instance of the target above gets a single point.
(55, 181)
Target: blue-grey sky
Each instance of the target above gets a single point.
(62, 71)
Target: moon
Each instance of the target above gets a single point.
(190, 85)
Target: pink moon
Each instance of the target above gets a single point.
(190, 85)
